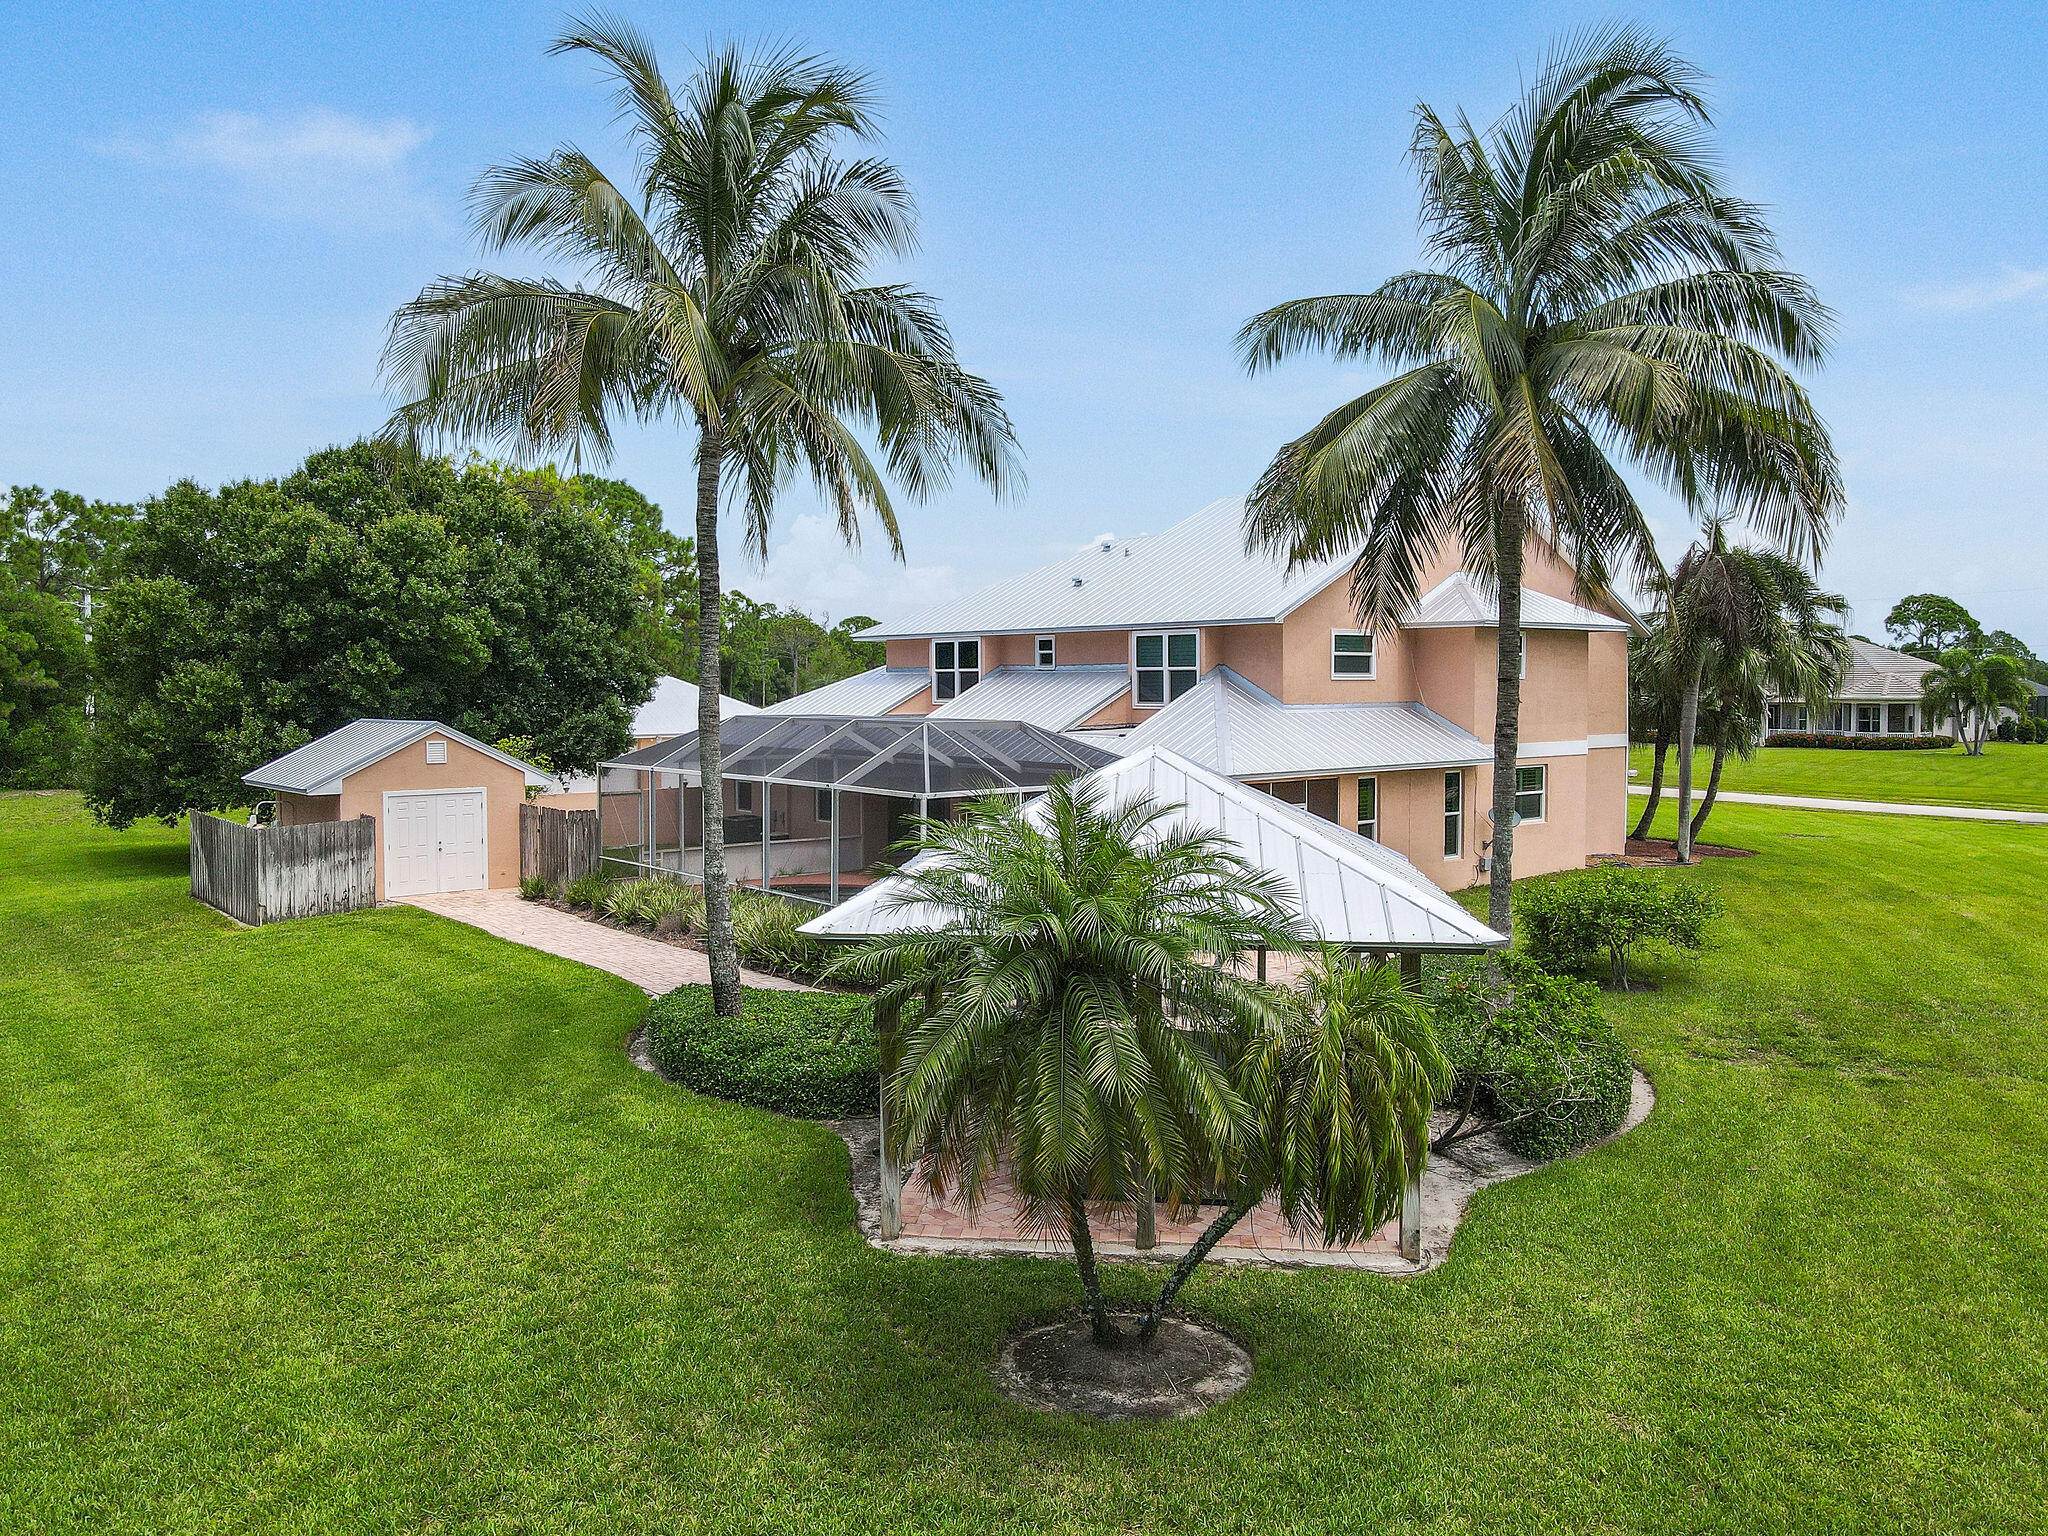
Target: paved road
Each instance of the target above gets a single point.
(651, 965)
(1877, 807)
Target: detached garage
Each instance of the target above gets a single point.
(446, 805)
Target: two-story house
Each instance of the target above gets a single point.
(1180, 638)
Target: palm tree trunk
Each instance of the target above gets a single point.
(1656, 784)
(1713, 788)
(725, 960)
(1688, 729)
(1507, 717)
(1190, 1261)
(1099, 1325)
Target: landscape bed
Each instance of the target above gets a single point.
(367, 1222)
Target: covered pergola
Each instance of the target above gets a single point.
(1348, 890)
(813, 803)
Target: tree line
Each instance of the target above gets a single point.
(151, 654)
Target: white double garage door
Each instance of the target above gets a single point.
(434, 840)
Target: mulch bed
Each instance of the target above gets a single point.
(1662, 850)
(1057, 1368)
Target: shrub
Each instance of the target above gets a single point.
(534, 888)
(2008, 730)
(764, 931)
(587, 892)
(1613, 911)
(812, 1054)
(1533, 1053)
(1859, 743)
(670, 906)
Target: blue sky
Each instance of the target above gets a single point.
(212, 210)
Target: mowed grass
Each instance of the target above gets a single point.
(2008, 776)
(365, 1224)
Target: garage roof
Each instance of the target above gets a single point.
(321, 764)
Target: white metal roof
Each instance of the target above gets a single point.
(1878, 673)
(1196, 572)
(1058, 698)
(873, 692)
(1459, 602)
(1349, 888)
(321, 764)
(672, 709)
(1237, 728)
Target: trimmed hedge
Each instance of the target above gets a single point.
(1858, 743)
(809, 1054)
(1569, 922)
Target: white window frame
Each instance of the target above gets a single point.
(1165, 669)
(955, 671)
(1454, 820)
(1541, 792)
(743, 797)
(1372, 656)
(1856, 718)
(1369, 826)
(1045, 652)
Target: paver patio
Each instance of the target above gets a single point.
(651, 965)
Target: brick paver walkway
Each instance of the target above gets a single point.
(651, 965)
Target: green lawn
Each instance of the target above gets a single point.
(365, 1224)
(2008, 776)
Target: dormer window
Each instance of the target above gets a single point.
(1351, 653)
(956, 667)
(1165, 665)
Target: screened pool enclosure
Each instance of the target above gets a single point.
(814, 803)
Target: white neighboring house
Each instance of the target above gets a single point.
(1880, 697)
(671, 710)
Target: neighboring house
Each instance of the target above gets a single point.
(1879, 697)
(1182, 640)
(671, 710)
(446, 805)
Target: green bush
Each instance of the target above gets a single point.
(1532, 1053)
(764, 931)
(534, 888)
(588, 892)
(1567, 923)
(670, 906)
(812, 1054)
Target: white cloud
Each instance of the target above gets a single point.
(812, 570)
(322, 167)
(2012, 285)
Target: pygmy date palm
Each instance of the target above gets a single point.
(724, 289)
(1597, 297)
(1071, 1019)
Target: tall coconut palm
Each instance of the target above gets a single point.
(726, 289)
(1732, 713)
(1970, 686)
(1598, 297)
(1730, 605)
(1653, 694)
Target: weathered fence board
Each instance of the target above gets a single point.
(267, 874)
(557, 846)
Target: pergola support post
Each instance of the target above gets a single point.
(890, 1179)
(1411, 1192)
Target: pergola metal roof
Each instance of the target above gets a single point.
(1350, 889)
(908, 756)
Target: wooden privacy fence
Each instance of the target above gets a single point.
(266, 874)
(557, 846)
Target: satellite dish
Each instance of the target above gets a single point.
(1514, 817)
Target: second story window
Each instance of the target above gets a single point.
(1532, 786)
(1045, 650)
(1454, 815)
(1351, 653)
(1166, 665)
(1369, 808)
(956, 667)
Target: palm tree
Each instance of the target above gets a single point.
(1732, 719)
(726, 289)
(1067, 1021)
(1728, 603)
(1598, 294)
(1970, 687)
(1653, 693)
(1340, 1085)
